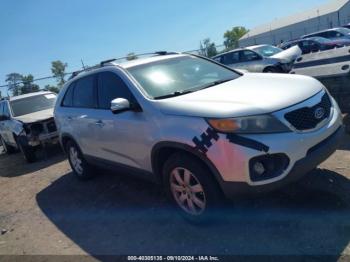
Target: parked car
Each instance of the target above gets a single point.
(334, 33)
(316, 44)
(198, 127)
(254, 59)
(26, 123)
(346, 26)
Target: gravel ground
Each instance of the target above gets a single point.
(45, 210)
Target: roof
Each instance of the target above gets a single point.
(141, 61)
(230, 51)
(326, 30)
(331, 7)
(13, 98)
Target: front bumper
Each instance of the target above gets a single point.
(50, 138)
(314, 157)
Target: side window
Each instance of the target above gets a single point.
(230, 58)
(111, 86)
(83, 95)
(68, 97)
(1, 109)
(247, 56)
(6, 111)
(334, 34)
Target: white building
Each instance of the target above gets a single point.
(334, 14)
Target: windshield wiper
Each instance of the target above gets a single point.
(215, 83)
(176, 93)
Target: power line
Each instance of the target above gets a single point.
(84, 67)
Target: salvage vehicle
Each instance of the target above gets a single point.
(26, 123)
(316, 44)
(334, 33)
(259, 59)
(199, 128)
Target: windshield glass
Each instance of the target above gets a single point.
(32, 104)
(180, 74)
(267, 50)
(344, 31)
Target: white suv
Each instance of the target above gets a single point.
(199, 128)
(26, 123)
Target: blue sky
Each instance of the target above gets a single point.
(36, 32)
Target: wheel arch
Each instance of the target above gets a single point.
(163, 150)
(65, 137)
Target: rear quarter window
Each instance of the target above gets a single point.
(68, 97)
(83, 95)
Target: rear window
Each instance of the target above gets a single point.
(68, 98)
(32, 104)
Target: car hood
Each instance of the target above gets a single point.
(36, 116)
(289, 55)
(250, 94)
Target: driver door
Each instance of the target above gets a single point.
(250, 61)
(122, 137)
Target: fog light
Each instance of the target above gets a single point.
(259, 168)
(267, 166)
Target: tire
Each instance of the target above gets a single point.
(81, 169)
(199, 197)
(6, 148)
(27, 151)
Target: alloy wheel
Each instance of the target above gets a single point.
(187, 191)
(75, 160)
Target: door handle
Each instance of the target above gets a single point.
(69, 118)
(100, 123)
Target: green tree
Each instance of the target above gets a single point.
(131, 56)
(58, 69)
(232, 36)
(28, 86)
(13, 80)
(51, 88)
(207, 48)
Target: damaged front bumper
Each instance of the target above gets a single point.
(43, 139)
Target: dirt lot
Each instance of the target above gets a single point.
(45, 210)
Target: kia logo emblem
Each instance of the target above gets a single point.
(319, 113)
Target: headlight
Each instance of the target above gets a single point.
(249, 125)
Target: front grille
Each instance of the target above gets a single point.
(309, 117)
(51, 127)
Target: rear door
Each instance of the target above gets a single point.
(80, 112)
(251, 61)
(7, 132)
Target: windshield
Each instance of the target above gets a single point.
(32, 104)
(179, 75)
(267, 50)
(344, 31)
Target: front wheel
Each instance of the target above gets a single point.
(27, 151)
(81, 169)
(191, 187)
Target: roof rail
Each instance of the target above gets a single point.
(103, 63)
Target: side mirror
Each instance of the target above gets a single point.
(119, 105)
